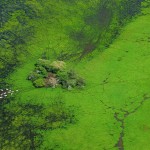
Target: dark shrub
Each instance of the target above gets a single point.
(44, 63)
(58, 65)
(53, 67)
(42, 71)
(71, 83)
(72, 74)
(68, 84)
(64, 84)
(62, 76)
(47, 74)
(80, 82)
(33, 76)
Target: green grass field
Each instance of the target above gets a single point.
(113, 109)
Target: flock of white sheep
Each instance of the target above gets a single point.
(6, 92)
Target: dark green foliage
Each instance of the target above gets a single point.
(44, 63)
(21, 124)
(34, 76)
(7, 7)
(53, 69)
(71, 83)
(62, 75)
(70, 79)
(80, 82)
(130, 8)
(39, 83)
(72, 74)
(15, 32)
(102, 24)
(42, 71)
(47, 64)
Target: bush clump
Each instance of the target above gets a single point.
(47, 74)
(58, 65)
(54, 67)
(80, 82)
(43, 62)
(72, 74)
(33, 76)
(70, 80)
(42, 71)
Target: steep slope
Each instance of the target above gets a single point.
(114, 106)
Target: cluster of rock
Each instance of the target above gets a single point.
(54, 74)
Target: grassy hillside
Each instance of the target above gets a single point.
(112, 111)
(64, 29)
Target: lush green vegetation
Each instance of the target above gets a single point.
(82, 27)
(15, 32)
(22, 124)
(113, 108)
